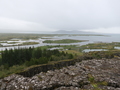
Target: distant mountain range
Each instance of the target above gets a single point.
(50, 32)
(71, 32)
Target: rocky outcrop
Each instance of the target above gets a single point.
(31, 71)
(89, 74)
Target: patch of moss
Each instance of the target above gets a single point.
(90, 78)
(40, 78)
(96, 84)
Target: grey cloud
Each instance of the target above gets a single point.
(64, 14)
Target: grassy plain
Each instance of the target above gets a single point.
(11, 70)
(9, 36)
(63, 41)
(29, 43)
(108, 46)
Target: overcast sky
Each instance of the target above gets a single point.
(52, 15)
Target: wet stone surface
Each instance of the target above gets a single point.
(93, 74)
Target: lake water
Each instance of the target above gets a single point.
(108, 38)
(116, 47)
(89, 50)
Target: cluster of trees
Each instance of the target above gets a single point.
(31, 56)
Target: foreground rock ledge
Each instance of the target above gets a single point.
(103, 74)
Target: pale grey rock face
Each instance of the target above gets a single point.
(74, 77)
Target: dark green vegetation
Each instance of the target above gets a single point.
(31, 56)
(21, 58)
(24, 43)
(63, 41)
(29, 43)
(109, 46)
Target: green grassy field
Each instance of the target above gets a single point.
(108, 46)
(9, 36)
(29, 43)
(63, 41)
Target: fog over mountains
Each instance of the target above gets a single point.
(71, 32)
(51, 32)
(101, 16)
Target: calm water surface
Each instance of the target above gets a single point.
(108, 38)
